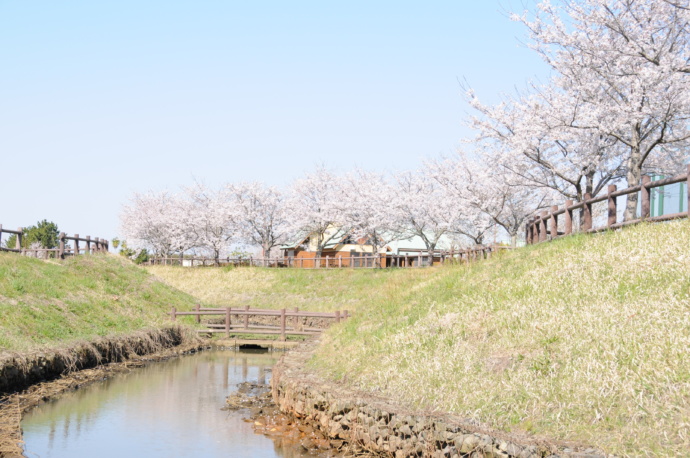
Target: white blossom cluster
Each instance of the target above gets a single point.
(616, 106)
(364, 206)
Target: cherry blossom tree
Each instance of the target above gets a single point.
(159, 222)
(212, 219)
(314, 208)
(490, 195)
(260, 213)
(424, 208)
(546, 141)
(627, 62)
(367, 210)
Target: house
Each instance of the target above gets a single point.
(342, 250)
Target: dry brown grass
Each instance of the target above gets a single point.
(585, 339)
(314, 290)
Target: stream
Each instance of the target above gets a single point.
(165, 409)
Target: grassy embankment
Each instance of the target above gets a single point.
(53, 303)
(324, 290)
(584, 339)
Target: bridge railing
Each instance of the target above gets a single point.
(290, 321)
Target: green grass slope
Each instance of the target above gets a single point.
(323, 290)
(585, 339)
(49, 303)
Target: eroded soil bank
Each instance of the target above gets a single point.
(374, 425)
(28, 379)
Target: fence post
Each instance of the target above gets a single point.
(18, 242)
(346, 314)
(198, 317)
(61, 246)
(588, 212)
(534, 231)
(554, 222)
(227, 322)
(337, 316)
(173, 314)
(542, 226)
(246, 317)
(76, 244)
(687, 189)
(0, 234)
(327, 261)
(527, 239)
(568, 217)
(282, 325)
(88, 244)
(644, 196)
(613, 211)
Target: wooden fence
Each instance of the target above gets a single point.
(419, 259)
(90, 245)
(293, 327)
(545, 226)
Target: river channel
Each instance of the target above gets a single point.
(166, 409)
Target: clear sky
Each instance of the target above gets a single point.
(99, 99)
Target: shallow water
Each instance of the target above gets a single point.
(167, 409)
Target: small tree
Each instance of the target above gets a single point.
(44, 234)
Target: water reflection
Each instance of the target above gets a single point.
(167, 409)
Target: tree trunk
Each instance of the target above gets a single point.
(264, 251)
(513, 240)
(317, 259)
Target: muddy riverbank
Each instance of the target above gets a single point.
(377, 426)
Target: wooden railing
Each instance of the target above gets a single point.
(545, 226)
(243, 326)
(90, 245)
(419, 259)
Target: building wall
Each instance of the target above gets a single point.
(341, 258)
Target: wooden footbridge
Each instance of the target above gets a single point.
(246, 320)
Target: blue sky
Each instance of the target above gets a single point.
(102, 99)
